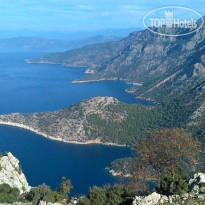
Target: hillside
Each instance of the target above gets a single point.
(90, 56)
(96, 120)
(92, 40)
(102, 120)
(165, 66)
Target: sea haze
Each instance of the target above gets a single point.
(40, 87)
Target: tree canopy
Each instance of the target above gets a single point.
(163, 149)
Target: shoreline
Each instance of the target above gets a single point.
(117, 173)
(107, 79)
(29, 61)
(89, 142)
(83, 81)
(88, 81)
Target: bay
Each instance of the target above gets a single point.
(40, 87)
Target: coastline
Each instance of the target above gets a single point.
(107, 79)
(29, 61)
(115, 173)
(81, 66)
(88, 81)
(89, 142)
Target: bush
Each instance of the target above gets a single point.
(42, 193)
(65, 187)
(173, 182)
(106, 196)
(8, 194)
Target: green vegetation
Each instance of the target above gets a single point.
(173, 113)
(139, 119)
(41, 193)
(8, 194)
(173, 182)
(65, 187)
(110, 120)
(107, 195)
(44, 193)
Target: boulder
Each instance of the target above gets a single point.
(151, 199)
(197, 184)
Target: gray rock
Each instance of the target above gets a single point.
(11, 174)
(48, 203)
(151, 199)
(196, 184)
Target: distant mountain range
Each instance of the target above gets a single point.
(68, 35)
(89, 56)
(49, 45)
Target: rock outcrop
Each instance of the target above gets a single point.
(197, 184)
(151, 199)
(196, 194)
(48, 203)
(11, 173)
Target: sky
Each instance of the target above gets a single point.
(82, 15)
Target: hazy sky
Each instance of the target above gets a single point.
(63, 15)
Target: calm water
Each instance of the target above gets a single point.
(37, 87)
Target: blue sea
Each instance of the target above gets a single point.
(40, 87)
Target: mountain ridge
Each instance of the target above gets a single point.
(37, 43)
(165, 66)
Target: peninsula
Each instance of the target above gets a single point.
(101, 120)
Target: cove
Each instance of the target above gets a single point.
(46, 161)
(39, 87)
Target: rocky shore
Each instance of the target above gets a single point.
(97, 141)
(86, 122)
(88, 81)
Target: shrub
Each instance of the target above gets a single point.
(8, 194)
(173, 182)
(106, 196)
(65, 187)
(41, 193)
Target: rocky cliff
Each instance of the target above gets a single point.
(11, 173)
